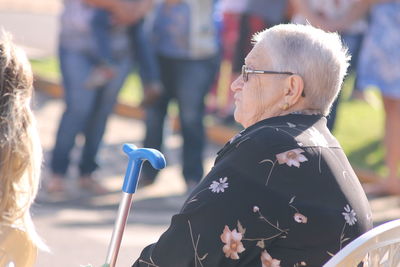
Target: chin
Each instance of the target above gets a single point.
(237, 117)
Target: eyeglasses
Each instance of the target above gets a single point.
(246, 71)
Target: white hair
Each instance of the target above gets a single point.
(318, 57)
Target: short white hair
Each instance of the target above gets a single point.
(317, 56)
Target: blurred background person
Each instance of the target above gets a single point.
(320, 13)
(186, 43)
(141, 48)
(257, 15)
(20, 158)
(380, 66)
(87, 110)
(229, 13)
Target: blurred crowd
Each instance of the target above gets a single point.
(189, 51)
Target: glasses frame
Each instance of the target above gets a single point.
(246, 71)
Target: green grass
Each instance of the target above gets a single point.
(359, 125)
(131, 92)
(359, 129)
(47, 68)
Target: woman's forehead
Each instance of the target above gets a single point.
(257, 57)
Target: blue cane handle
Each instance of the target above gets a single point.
(136, 158)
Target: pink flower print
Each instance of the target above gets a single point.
(300, 218)
(233, 244)
(268, 261)
(292, 157)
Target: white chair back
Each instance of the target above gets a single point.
(378, 247)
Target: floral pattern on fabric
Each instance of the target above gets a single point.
(298, 217)
(349, 215)
(233, 244)
(233, 241)
(268, 261)
(195, 243)
(292, 157)
(220, 186)
(263, 198)
(217, 186)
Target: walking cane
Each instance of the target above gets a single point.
(136, 159)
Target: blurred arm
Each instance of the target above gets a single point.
(128, 12)
(124, 12)
(357, 11)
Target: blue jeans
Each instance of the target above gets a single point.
(86, 110)
(187, 81)
(139, 42)
(144, 53)
(101, 25)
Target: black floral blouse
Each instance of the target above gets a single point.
(281, 193)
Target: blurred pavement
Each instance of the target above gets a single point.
(34, 24)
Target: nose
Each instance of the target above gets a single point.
(237, 84)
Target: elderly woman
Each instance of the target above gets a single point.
(281, 192)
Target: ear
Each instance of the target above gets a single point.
(294, 87)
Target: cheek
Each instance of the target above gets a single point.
(243, 107)
(269, 97)
(255, 101)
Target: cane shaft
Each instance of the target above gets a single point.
(119, 228)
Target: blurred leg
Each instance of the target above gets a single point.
(75, 67)
(353, 42)
(390, 185)
(146, 59)
(193, 84)
(96, 125)
(101, 24)
(392, 133)
(144, 54)
(155, 114)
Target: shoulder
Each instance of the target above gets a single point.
(284, 132)
(273, 135)
(17, 246)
